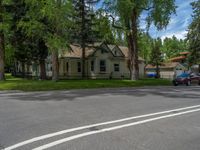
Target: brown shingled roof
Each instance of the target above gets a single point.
(125, 51)
(163, 65)
(184, 53)
(76, 51)
(178, 58)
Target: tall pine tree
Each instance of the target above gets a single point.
(48, 21)
(21, 44)
(83, 32)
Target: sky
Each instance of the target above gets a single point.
(178, 24)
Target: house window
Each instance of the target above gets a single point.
(67, 66)
(102, 65)
(92, 65)
(79, 66)
(103, 50)
(116, 67)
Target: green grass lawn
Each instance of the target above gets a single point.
(12, 83)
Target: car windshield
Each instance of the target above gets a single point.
(184, 75)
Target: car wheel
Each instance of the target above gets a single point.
(188, 83)
(175, 83)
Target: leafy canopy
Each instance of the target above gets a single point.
(48, 20)
(157, 12)
(194, 33)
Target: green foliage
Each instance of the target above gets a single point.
(84, 32)
(21, 44)
(145, 46)
(48, 20)
(32, 27)
(173, 46)
(129, 12)
(158, 11)
(104, 28)
(46, 23)
(194, 34)
(9, 55)
(156, 54)
(86, 25)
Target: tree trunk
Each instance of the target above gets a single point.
(135, 44)
(55, 63)
(131, 56)
(83, 36)
(133, 48)
(55, 66)
(42, 70)
(83, 62)
(157, 71)
(23, 69)
(2, 57)
(199, 68)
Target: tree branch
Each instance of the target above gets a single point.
(113, 23)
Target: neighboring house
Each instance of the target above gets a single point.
(167, 70)
(182, 58)
(31, 70)
(195, 68)
(102, 61)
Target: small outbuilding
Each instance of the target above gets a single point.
(167, 70)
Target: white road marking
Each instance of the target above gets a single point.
(110, 129)
(92, 125)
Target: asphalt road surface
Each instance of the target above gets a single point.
(150, 118)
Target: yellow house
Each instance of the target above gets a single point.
(102, 61)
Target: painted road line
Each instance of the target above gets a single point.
(111, 129)
(92, 125)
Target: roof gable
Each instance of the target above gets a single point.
(117, 52)
(75, 51)
(104, 48)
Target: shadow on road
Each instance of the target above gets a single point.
(170, 92)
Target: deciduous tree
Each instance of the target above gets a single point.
(156, 55)
(194, 34)
(157, 12)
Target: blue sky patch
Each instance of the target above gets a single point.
(178, 24)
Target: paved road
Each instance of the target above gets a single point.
(153, 118)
